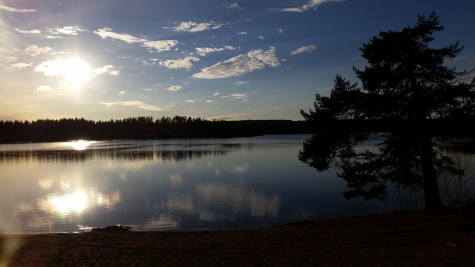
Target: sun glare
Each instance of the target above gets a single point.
(65, 204)
(80, 144)
(77, 71)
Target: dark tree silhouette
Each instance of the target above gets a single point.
(142, 128)
(406, 89)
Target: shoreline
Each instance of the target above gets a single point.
(413, 238)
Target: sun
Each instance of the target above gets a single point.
(76, 71)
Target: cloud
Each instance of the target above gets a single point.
(174, 88)
(241, 64)
(12, 9)
(184, 63)
(190, 101)
(107, 32)
(240, 82)
(69, 30)
(53, 37)
(190, 26)
(28, 32)
(242, 32)
(34, 50)
(459, 58)
(231, 6)
(279, 30)
(64, 68)
(122, 92)
(148, 89)
(21, 65)
(50, 68)
(160, 45)
(216, 94)
(303, 49)
(109, 69)
(137, 104)
(236, 116)
(267, 57)
(209, 101)
(312, 4)
(202, 51)
(43, 88)
(11, 59)
(236, 96)
(261, 37)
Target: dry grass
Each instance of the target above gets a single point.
(394, 239)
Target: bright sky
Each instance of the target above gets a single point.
(232, 60)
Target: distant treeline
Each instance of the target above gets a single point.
(187, 127)
(142, 128)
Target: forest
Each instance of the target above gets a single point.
(44, 130)
(48, 130)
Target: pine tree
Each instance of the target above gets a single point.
(406, 89)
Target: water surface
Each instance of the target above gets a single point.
(167, 184)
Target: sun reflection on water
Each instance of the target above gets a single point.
(67, 203)
(79, 144)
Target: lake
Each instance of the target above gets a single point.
(168, 184)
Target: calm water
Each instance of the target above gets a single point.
(166, 184)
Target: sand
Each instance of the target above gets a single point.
(416, 238)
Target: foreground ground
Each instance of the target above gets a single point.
(393, 239)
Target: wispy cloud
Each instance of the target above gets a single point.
(52, 68)
(53, 37)
(304, 49)
(240, 82)
(64, 68)
(312, 4)
(174, 88)
(459, 58)
(202, 51)
(28, 32)
(190, 26)
(11, 59)
(12, 9)
(185, 63)
(43, 88)
(108, 33)
(279, 30)
(236, 66)
(216, 94)
(209, 101)
(261, 37)
(69, 30)
(242, 32)
(21, 65)
(160, 45)
(190, 101)
(137, 104)
(34, 50)
(243, 97)
(108, 69)
(122, 92)
(231, 6)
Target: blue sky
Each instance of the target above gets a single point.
(232, 60)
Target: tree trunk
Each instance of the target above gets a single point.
(429, 176)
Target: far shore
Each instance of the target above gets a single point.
(414, 238)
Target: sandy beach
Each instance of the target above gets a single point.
(416, 238)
